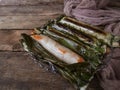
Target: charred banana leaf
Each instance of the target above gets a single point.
(83, 50)
(80, 27)
(85, 46)
(79, 74)
(68, 36)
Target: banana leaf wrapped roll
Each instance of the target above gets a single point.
(81, 40)
(80, 27)
(86, 52)
(75, 54)
(79, 74)
(81, 37)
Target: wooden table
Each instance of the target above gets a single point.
(17, 70)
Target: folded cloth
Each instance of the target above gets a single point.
(99, 13)
(94, 12)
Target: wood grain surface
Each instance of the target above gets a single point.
(18, 71)
(24, 22)
(28, 2)
(27, 16)
(11, 39)
(50, 9)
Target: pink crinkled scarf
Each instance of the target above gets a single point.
(100, 13)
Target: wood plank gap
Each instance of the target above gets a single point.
(26, 5)
(48, 14)
(29, 2)
(9, 51)
(16, 29)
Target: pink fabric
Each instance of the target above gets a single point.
(94, 12)
(97, 12)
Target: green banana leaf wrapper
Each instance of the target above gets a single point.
(89, 46)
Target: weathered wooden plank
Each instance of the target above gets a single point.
(27, 17)
(32, 10)
(24, 22)
(9, 39)
(28, 2)
(19, 72)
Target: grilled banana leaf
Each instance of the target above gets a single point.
(71, 37)
(79, 74)
(80, 27)
(84, 40)
(83, 50)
